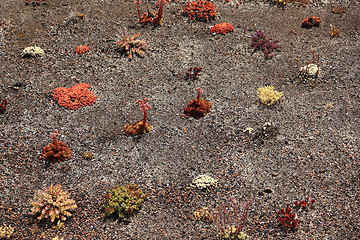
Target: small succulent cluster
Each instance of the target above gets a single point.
(230, 222)
(334, 32)
(57, 238)
(203, 182)
(304, 204)
(204, 214)
(193, 73)
(81, 49)
(75, 97)
(310, 22)
(131, 45)
(310, 72)
(35, 2)
(56, 151)
(142, 126)
(198, 108)
(287, 219)
(338, 10)
(222, 28)
(266, 45)
(3, 105)
(53, 203)
(33, 51)
(6, 231)
(124, 201)
(268, 95)
(88, 155)
(200, 10)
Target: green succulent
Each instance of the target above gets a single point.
(203, 182)
(125, 201)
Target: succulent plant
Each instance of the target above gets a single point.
(198, 108)
(33, 51)
(268, 95)
(204, 214)
(56, 151)
(53, 203)
(124, 201)
(6, 231)
(203, 182)
(131, 45)
(229, 234)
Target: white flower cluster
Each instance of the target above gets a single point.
(32, 52)
(203, 181)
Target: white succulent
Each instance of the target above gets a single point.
(203, 181)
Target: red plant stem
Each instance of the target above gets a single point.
(144, 119)
(198, 98)
(138, 11)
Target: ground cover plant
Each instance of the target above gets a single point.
(56, 151)
(305, 145)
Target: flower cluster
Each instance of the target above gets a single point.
(260, 42)
(287, 219)
(75, 97)
(200, 10)
(81, 49)
(3, 104)
(53, 203)
(222, 28)
(193, 73)
(32, 52)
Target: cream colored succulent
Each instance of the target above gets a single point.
(6, 231)
(268, 95)
(229, 234)
(203, 182)
(33, 51)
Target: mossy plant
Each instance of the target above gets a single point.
(6, 231)
(268, 95)
(124, 201)
(53, 203)
(203, 182)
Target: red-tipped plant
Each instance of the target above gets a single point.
(162, 4)
(138, 2)
(56, 151)
(140, 126)
(198, 108)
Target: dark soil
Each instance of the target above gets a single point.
(311, 150)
